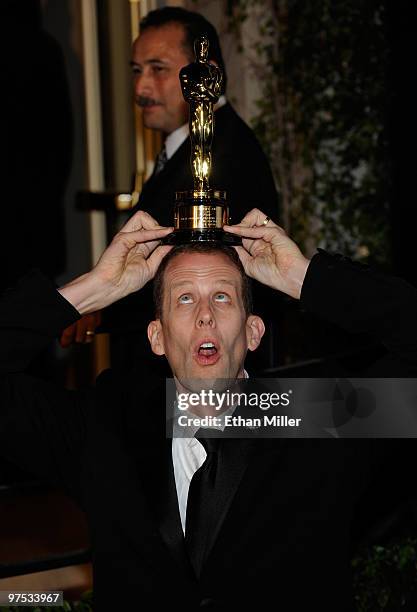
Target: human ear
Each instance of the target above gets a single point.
(255, 329)
(156, 337)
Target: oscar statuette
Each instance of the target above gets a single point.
(201, 213)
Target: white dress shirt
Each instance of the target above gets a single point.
(188, 455)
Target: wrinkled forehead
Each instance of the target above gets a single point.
(201, 269)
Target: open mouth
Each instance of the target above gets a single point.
(207, 349)
(207, 352)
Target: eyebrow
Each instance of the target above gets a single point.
(152, 61)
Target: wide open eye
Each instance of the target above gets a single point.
(222, 297)
(186, 298)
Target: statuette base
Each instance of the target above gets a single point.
(199, 216)
(186, 236)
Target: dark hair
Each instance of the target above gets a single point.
(200, 247)
(194, 25)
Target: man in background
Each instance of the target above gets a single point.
(240, 167)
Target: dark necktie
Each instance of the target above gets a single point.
(161, 160)
(201, 503)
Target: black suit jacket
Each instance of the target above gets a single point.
(288, 504)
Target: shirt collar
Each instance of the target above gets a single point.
(175, 139)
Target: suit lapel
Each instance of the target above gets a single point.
(239, 457)
(233, 461)
(153, 460)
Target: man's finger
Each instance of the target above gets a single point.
(254, 233)
(148, 222)
(144, 235)
(243, 256)
(78, 332)
(157, 256)
(140, 219)
(82, 325)
(146, 248)
(67, 336)
(92, 321)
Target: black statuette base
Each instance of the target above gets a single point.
(185, 236)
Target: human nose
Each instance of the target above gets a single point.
(143, 84)
(205, 317)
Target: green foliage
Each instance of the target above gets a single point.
(321, 117)
(385, 577)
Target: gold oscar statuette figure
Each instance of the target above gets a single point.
(200, 214)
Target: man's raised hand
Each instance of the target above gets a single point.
(133, 256)
(127, 264)
(268, 254)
